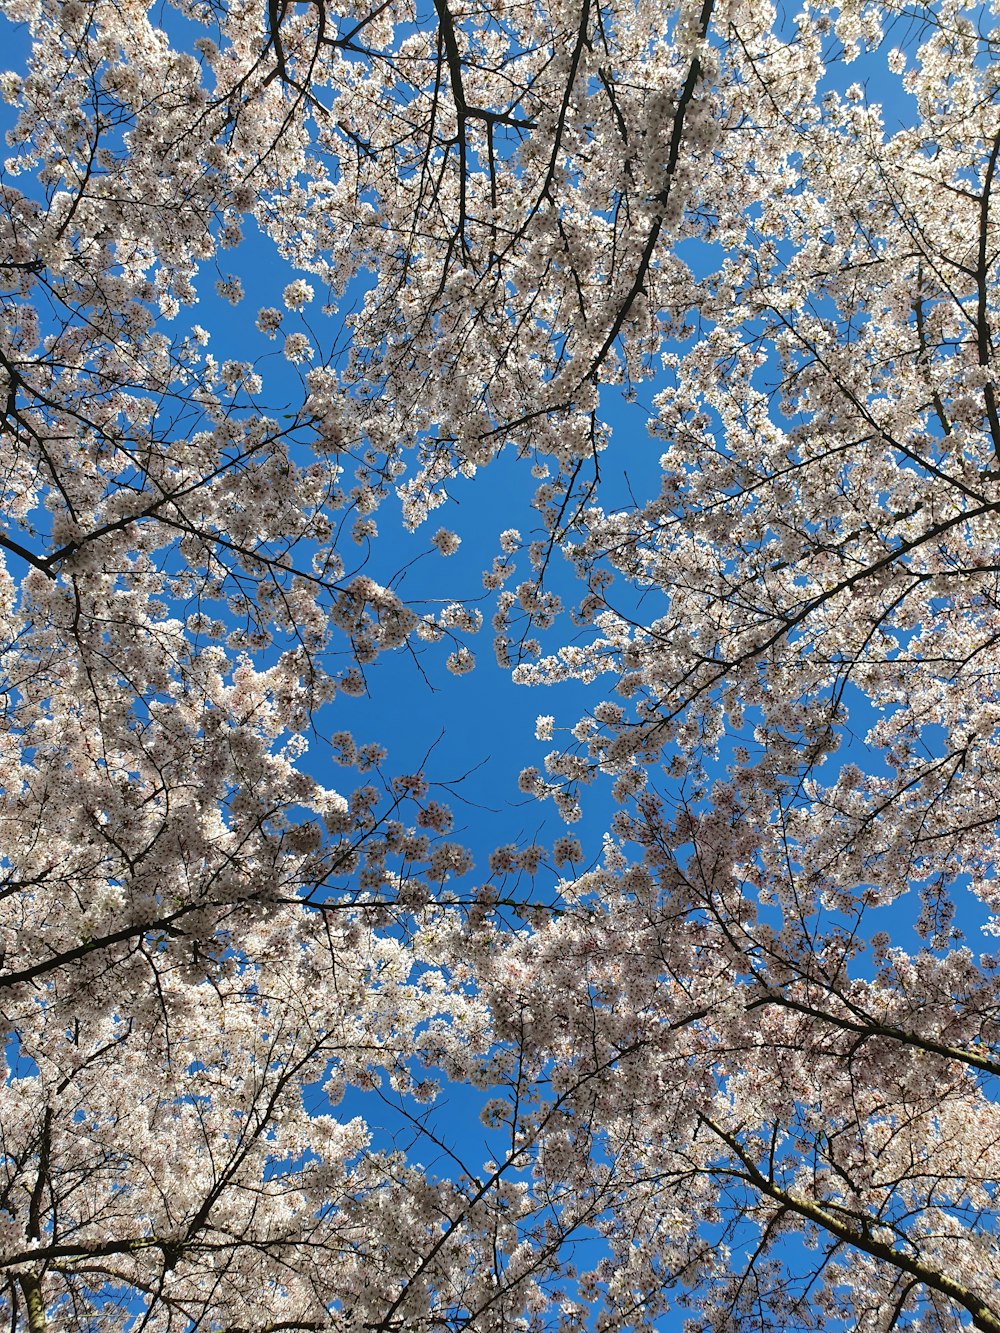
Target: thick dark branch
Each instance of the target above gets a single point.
(274, 16)
(453, 58)
(23, 265)
(983, 339)
(860, 1233)
(42, 1177)
(36, 561)
(60, 1250)
(574, 65)
(870, 1029)
(673, 154)
(67, 956)
(31, 1289)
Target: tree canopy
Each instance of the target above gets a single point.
(283, 1050)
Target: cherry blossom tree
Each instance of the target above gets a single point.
(737, 1069)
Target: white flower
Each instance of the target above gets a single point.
(10, 86)
(566, 849)
(297, 294)
(298, 348)
(269, 321)
(230, 289)
(460, 662)
(446, 541)
(543, 727)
